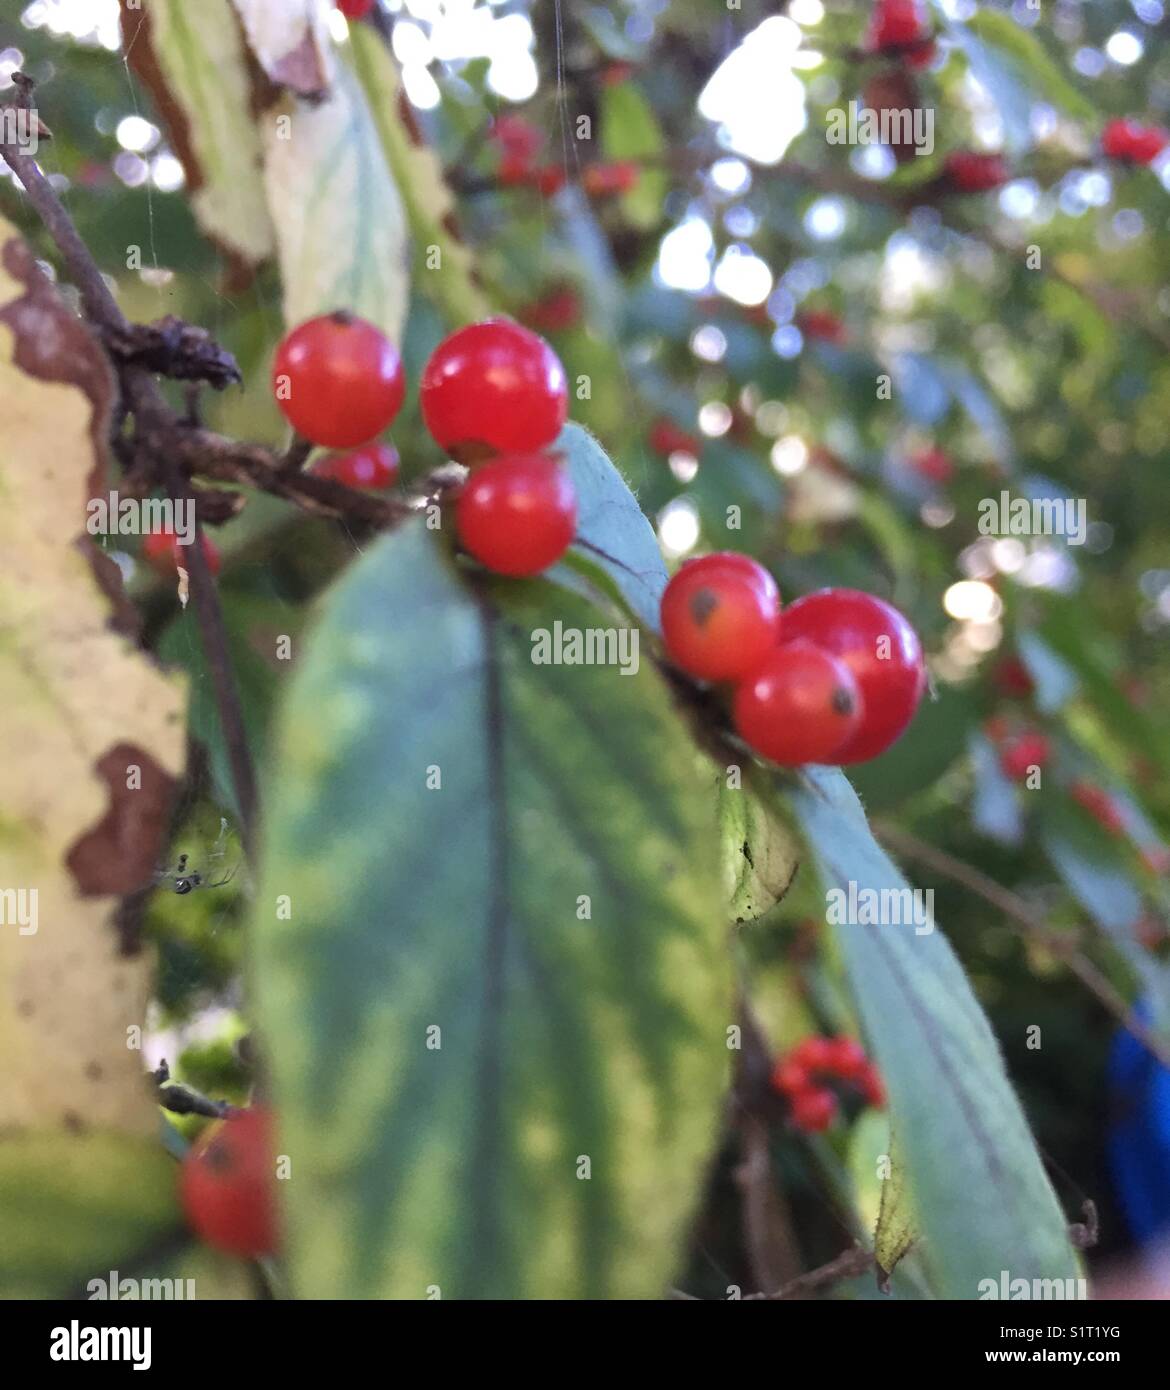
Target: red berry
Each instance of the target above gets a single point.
(338, 380)
(372, 466)
(1013, 678)
(900, 26)
(603, 180)
(933, 463)
(970, 172)
(882, 651)
(813, 1110)
(720, 616)
(666, 438)
(165, 552)
(493, 388)
(555, 312)
(847, 1059)
(872, 1087)
(1099, 804)
(822, 325)
(1133, 143)
(790, 1077)
(814, 1053)
(227, 1185)
(517, 514)
(517, 137)
(800, 705)
(355, 9)
(1020, 754)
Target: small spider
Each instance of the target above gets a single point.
(185, 880)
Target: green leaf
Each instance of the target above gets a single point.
(630, 130)
(983, 1201)
(896, 1230)
(200, 83)
(990, 35)
(564, 1038)
(995, 807)
(1055, 680)
(340, 226)
(451, 282)
(78, 1205)
(760, 856)
(613, 534)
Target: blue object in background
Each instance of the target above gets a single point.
(1139, 1138)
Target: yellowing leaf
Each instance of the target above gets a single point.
(193, 60)
(83, 708)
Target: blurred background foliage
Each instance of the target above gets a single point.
(735, 299)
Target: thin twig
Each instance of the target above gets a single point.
(1028, 923)
(849, 1264)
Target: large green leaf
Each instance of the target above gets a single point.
(613, 535)
(340, 225)
(462, 908)
(981, 1196)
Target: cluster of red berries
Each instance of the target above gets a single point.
(494, 395)
(803, 1076)
(228, 1185)
(900, 29)
(834, 678)
(520, 166)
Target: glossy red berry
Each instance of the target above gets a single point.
(372, 466)
(1133, 143)
(814, 1110)
(338, 380)
(790, 1077)
(517, 514)
(872, 1088)
(165, 552)
(800, 705)
(1023, 752)
(968, 171)
(814, 1053)
(605, 180)
(720, 616)
(228, 1185)
(493, 388)
(881, 650)
(847, 1059)
(355, 9)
